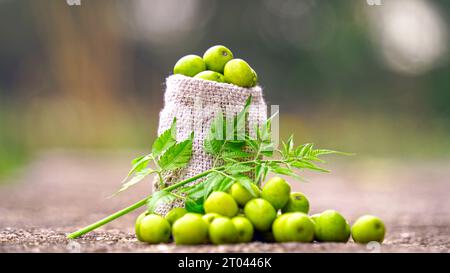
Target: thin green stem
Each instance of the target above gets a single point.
(262, 161)
(108, 219)
(161, 180)
(226, 175)
(179, 196)
(158, 172)
(218, 155)
(133, 207)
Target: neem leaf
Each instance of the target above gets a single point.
(158, 198)
(242, 115)
(212, 146)
(235, 154)
(137, 177)
(166, 140)
(267, 148)
(238, 130)
(264, 132)
(317, 152)
(177, 156)
(211, 183)
(219, 141)
(225, 184)
(139, 164)
(234, 145)
(304, 150)
(195, 206)
(195, 191)
(252, 143)
(216, 136)
(246, 182)
(216, 130)
(214, 182)
(261, 171)
(303, 164)
(238, 168)
(284, 171)
(137, 159)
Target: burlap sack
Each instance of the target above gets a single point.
(194, 103)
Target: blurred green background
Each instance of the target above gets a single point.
(373, 80)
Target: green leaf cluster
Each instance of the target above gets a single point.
(166, 155)
(237, 158)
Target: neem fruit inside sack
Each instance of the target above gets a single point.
(189, 65)
(216, 57)
(217, 65)
(210, 76)
(239, 72)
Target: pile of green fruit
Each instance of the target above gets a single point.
(217, 65)
(236, 216)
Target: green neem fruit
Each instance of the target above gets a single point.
(260, 213)
(190, 229)
(239, 72)
(299, 228)
(189, 65)
(241, 195)
(216, 57)
(330, 226)
(279, 228)
(314, 217)
(368, 228)
(222, 231)
(221, 203)
(209, 217)
(255, 77)
(175, 214)
(154, 229)
(277, 192)
(298, 202)
(138, 224)
(244, 228)
(210, 76)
